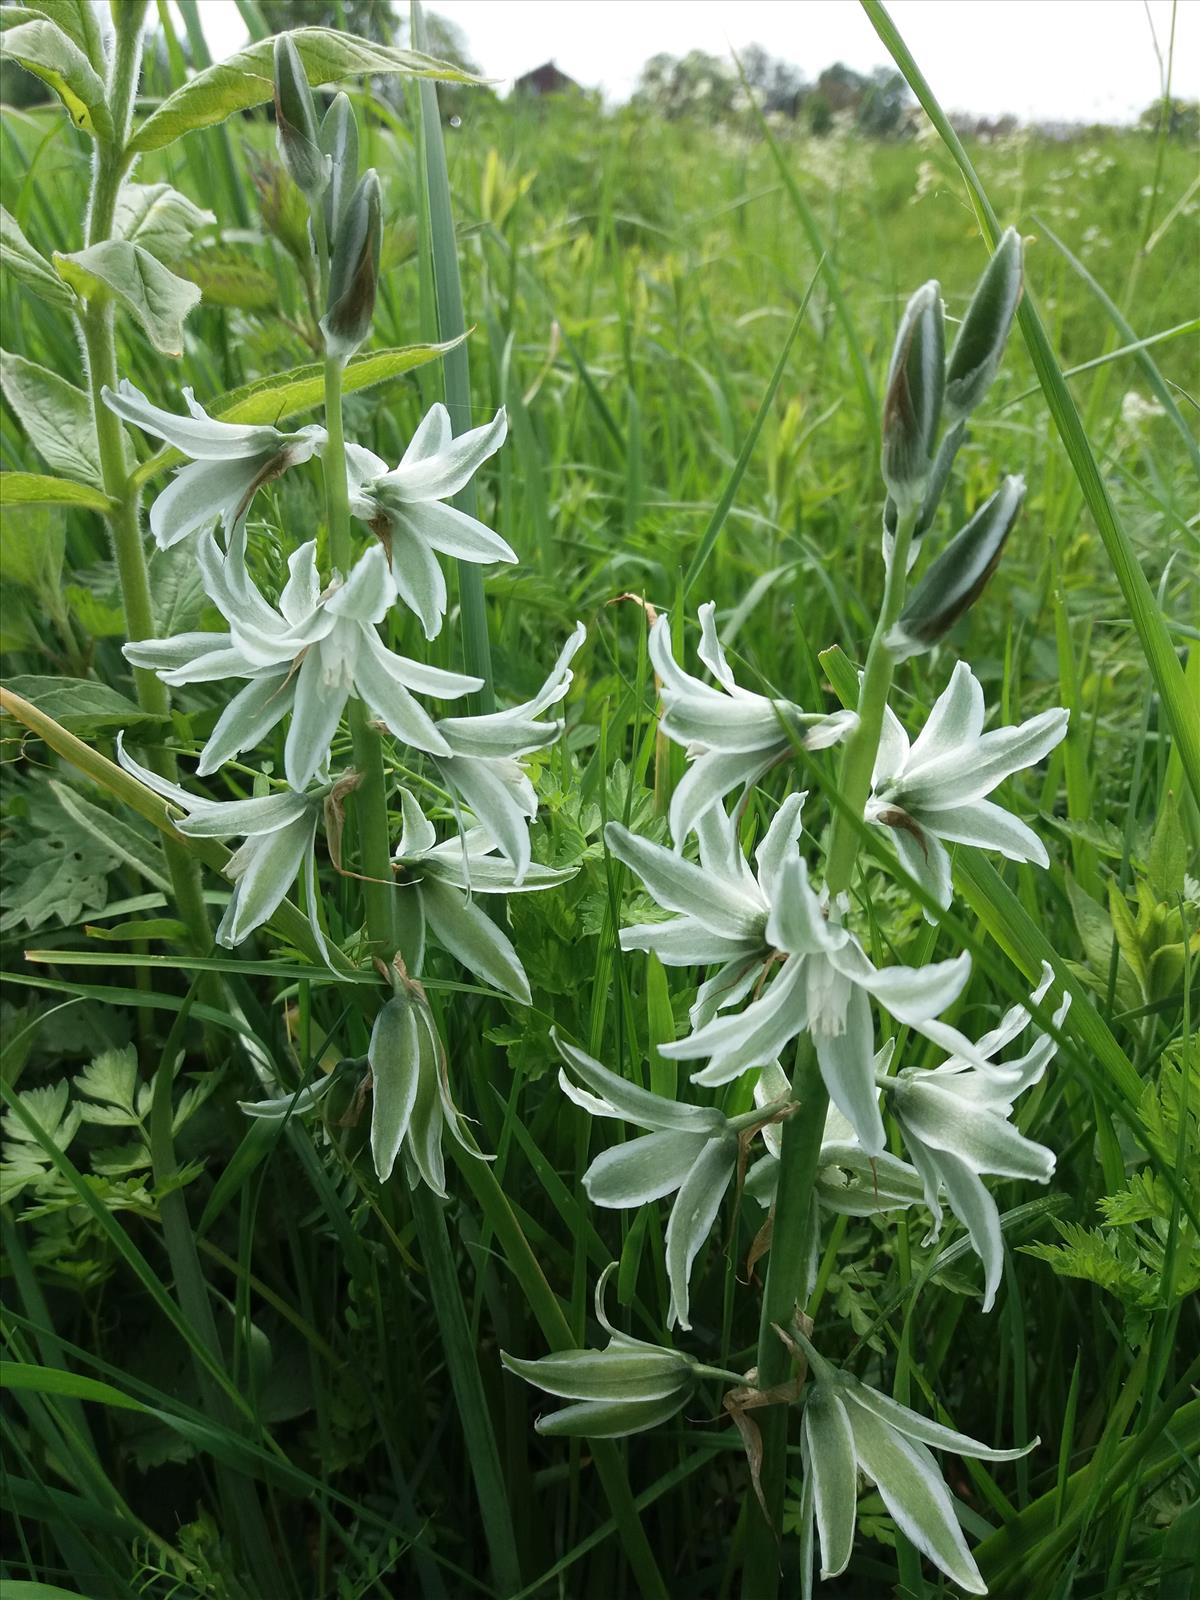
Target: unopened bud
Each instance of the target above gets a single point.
(985, 328)
(354, 272)
(913, 403)
(339, 143)
(296, 122)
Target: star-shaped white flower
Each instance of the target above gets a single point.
(404, 507)
(230, 462)
(306, 655)
(933, 789)
(954, 1122)
(732, 735)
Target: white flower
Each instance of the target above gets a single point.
(732, 735)
(479, 759)
(404, 507)
(280, 833)
(692, 1149)
(824, 981)
(442, 876)
(230, 462)
(306, 656)
(954, 1121)
(410, 1094)
(933, 789)
(851, 1429)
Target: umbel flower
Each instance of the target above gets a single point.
(851, 1429)
(305, 656)
(934, 789)
(445, 876)
(732, 735)
(954, 1122)
(404, 507)
(230, 461)
(280, 833)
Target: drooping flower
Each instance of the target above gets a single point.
(307, 656)
(625, 1388)
(689, 1149)
(732, 735)
(405, 508)
(411, 1105)
(954, 1122)
(230, 462)
(933, 790)
(851, 1429)
(480, 760)
(280, 833)
(444, 877)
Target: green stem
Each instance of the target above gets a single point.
(99, 334)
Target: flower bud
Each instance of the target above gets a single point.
(935, 487)
(339, 142)
(913, 402)
(296, 121)
(957, 578)
(354, 271)
(984, 330)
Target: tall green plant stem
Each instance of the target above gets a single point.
(800, 1150)
(99, 336)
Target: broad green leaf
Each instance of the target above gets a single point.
(72, 16)
(53, 871)
(287, 394)
(158, 217)
(247, 79)
(230, 275)
(80, 706)
(153, 295)
(31, 551)
(55, 414)
(41, 47)
(27, 1589)
(27, 265)
(100, 614)
(34, 489)
(116, 835)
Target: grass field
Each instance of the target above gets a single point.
(241, 1366)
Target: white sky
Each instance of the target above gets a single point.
(1055, 60)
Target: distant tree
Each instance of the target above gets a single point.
(885, 99)
(695, 85)
(777, 85)
(1182, 119)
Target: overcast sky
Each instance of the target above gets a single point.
(1061, 60)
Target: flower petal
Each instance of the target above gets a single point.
(478, 942)
(847, 1061)
(247, 719)
(200, 495)
(376, 682)
(987, 826)
(707, 781)
(198, 435)
(418, 578)
(502, 798)
(797, 922)
(428, 474)
(831, 1459)
(454, 533)
(692, 1215)
(635, 1104)
(915, 1426)
(779, 843)
(684, 942)
(955, 721)
(981, 1138)
(393, 1055)
(682, 886)
(643, 1169)
(959, 776)
(316, 711)
(263, 870)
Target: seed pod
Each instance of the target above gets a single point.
(985, 328)
(296, 122)
(913, 402)
(354, 271)
(339, 142)
(957, 578)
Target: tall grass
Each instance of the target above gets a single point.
(238, 1367)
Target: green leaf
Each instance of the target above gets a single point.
(158, 217)
(1168, 858)
(34, 489)
(77, 704)
(31, 551)
(27, 265)
(54, 871)
(44, 49)
(56, 416)
(70, 15)
(247, 79)
(156, 298)
(230, 275)
(287, 394)
(115, 835)
(111, 1078)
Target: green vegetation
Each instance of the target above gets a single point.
(238, 1365)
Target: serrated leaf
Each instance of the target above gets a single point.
(27, 265)
(158, 217)
(247, 79)
(116, 835)
(80, 706)
(41, 47)
(288, 394)
(31, 551)
(35, 489)
(112, 1079)
(56, 416)
(157, 298)
(53, 870)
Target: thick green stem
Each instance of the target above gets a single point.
(99, 333)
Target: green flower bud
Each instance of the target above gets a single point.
(339, 142)
(354, 271)
(958, 577)
(984, 331)
(912, 404)
(296, 122)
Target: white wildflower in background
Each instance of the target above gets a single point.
(404, 508)
(931, 792)
(230, 461)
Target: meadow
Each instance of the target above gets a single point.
(239, 1365)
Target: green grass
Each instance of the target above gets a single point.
(243, 1369)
